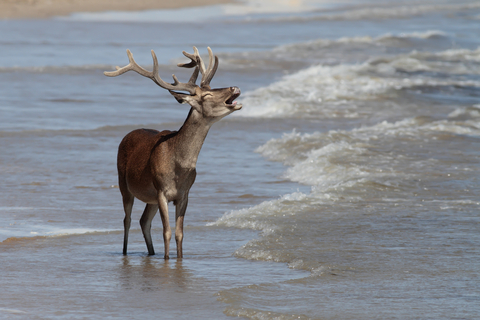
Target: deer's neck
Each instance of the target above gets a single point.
(190, 138)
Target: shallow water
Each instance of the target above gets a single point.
(347, 186)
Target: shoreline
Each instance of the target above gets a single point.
(44, 9)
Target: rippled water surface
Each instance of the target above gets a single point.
(346, 188)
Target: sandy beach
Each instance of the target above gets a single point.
(41, 9)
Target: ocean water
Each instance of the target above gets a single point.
(346, 188)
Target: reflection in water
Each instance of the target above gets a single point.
(151, 274)
(164, 289)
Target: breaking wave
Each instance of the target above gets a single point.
(347, 168)
(32, 232)
(321, 88)
(385, 39)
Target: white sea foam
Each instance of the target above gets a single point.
(324, 169)
(385, 38)
(331, 160)
(334, 162)
(294, 147)
(251, 313)
(25, 230)
(257, 217)
(469, 112)
(12, 311)
(420, 35)
(320, 88)
(14, 209)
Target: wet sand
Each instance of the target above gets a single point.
(41, 9)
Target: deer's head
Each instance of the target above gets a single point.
(212, 104)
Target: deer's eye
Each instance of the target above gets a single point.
(206, 95)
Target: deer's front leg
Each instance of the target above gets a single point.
(167, 233)
(180, 209)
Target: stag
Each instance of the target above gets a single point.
(160, 167)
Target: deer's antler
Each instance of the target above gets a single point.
(189, 86)
(196, 61)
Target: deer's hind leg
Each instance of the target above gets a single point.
(146, 224)
(128, 199)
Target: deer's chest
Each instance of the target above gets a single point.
(176, 185)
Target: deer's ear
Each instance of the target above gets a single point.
(186, 98)
(180, 97)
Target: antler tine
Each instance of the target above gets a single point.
(210, 60)
(190, 87)
(200, 63)
(212, 68)
(131, 66)
(190, 64)
(194, 76)
(177, 85)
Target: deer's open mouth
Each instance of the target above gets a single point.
(231, 103)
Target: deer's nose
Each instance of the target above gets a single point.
(235, 90)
